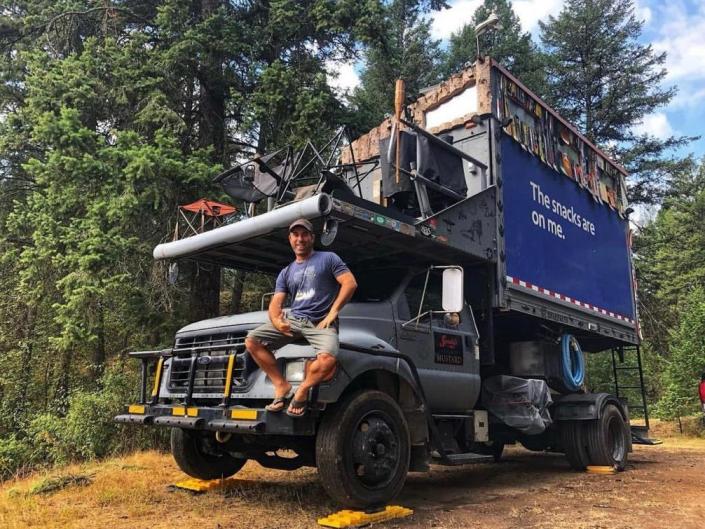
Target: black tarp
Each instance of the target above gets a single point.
(407, 156)
(440, 165)
(518, 402)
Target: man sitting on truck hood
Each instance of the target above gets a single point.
(319, 284)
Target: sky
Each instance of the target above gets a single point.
(674, 26)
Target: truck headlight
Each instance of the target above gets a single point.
(295, 370)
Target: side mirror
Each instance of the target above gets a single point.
(453, 289)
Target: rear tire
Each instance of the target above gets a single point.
(363, 450)
(574, 441)
(199, 456)
(608, 439)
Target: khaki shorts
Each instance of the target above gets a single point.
(322, 340)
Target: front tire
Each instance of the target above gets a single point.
(199, 456)
(363, 450)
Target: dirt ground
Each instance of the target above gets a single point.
(663, 486)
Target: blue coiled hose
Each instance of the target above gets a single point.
(572, 363)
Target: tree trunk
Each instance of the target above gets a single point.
(61, 395)
(212, 94)
(239, 278)
(25, 365)
(99, 352)
(205, 291)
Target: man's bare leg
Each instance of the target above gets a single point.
(320, 370)
(267, 363)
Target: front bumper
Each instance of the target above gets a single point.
(235, 419)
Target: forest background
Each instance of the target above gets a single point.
(114, 112)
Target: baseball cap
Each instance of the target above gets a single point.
(303, 223)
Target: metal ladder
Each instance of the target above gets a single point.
(628, 375)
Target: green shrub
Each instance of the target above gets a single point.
(88, 430)
(15, 456)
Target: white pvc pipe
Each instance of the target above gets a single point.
(309, 208)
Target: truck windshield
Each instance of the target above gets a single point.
(377, 285)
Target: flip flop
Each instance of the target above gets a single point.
(279, 403)
(303, 404)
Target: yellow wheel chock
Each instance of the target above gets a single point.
(357, 518)
(344, 518)
(593, 469)
(199, 485)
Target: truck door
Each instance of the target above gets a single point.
(442, 349)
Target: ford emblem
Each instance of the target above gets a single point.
(204, 360)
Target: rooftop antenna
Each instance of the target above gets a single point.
(490, 23)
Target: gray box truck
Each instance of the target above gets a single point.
(491, 246)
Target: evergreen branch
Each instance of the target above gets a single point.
(106, 9)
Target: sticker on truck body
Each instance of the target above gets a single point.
(448, 349)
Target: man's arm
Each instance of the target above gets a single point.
(347, 289)
(276, 315)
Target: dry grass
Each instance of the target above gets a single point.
(528, 490)
(692, 438)
(133, 492)
(693, 429)
(55, 483)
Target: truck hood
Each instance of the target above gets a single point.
(251, 319)
(356, 318)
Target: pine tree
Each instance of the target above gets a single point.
(687, 359)
(509, 46)
(112, 114)
(602, 79)
(78, 242)
(404, 50)
(671, 255)
(670, 267)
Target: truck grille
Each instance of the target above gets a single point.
(212, 353)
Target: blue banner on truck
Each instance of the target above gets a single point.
(559, 240)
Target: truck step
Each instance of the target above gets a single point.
(467, 458)
(225, 425)
(641, 439)
(133, 418)
(462, 416)
(192, 423)
(640, 435)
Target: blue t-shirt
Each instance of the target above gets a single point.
(311, 284)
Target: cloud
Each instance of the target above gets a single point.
(680, 35)
(689, 98)
(461, 11)
(643, 12)
(655, 124)
(342, 76)
(531, 11)
(452, 19)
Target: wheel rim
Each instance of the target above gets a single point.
(615, 439)
(374, 457)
